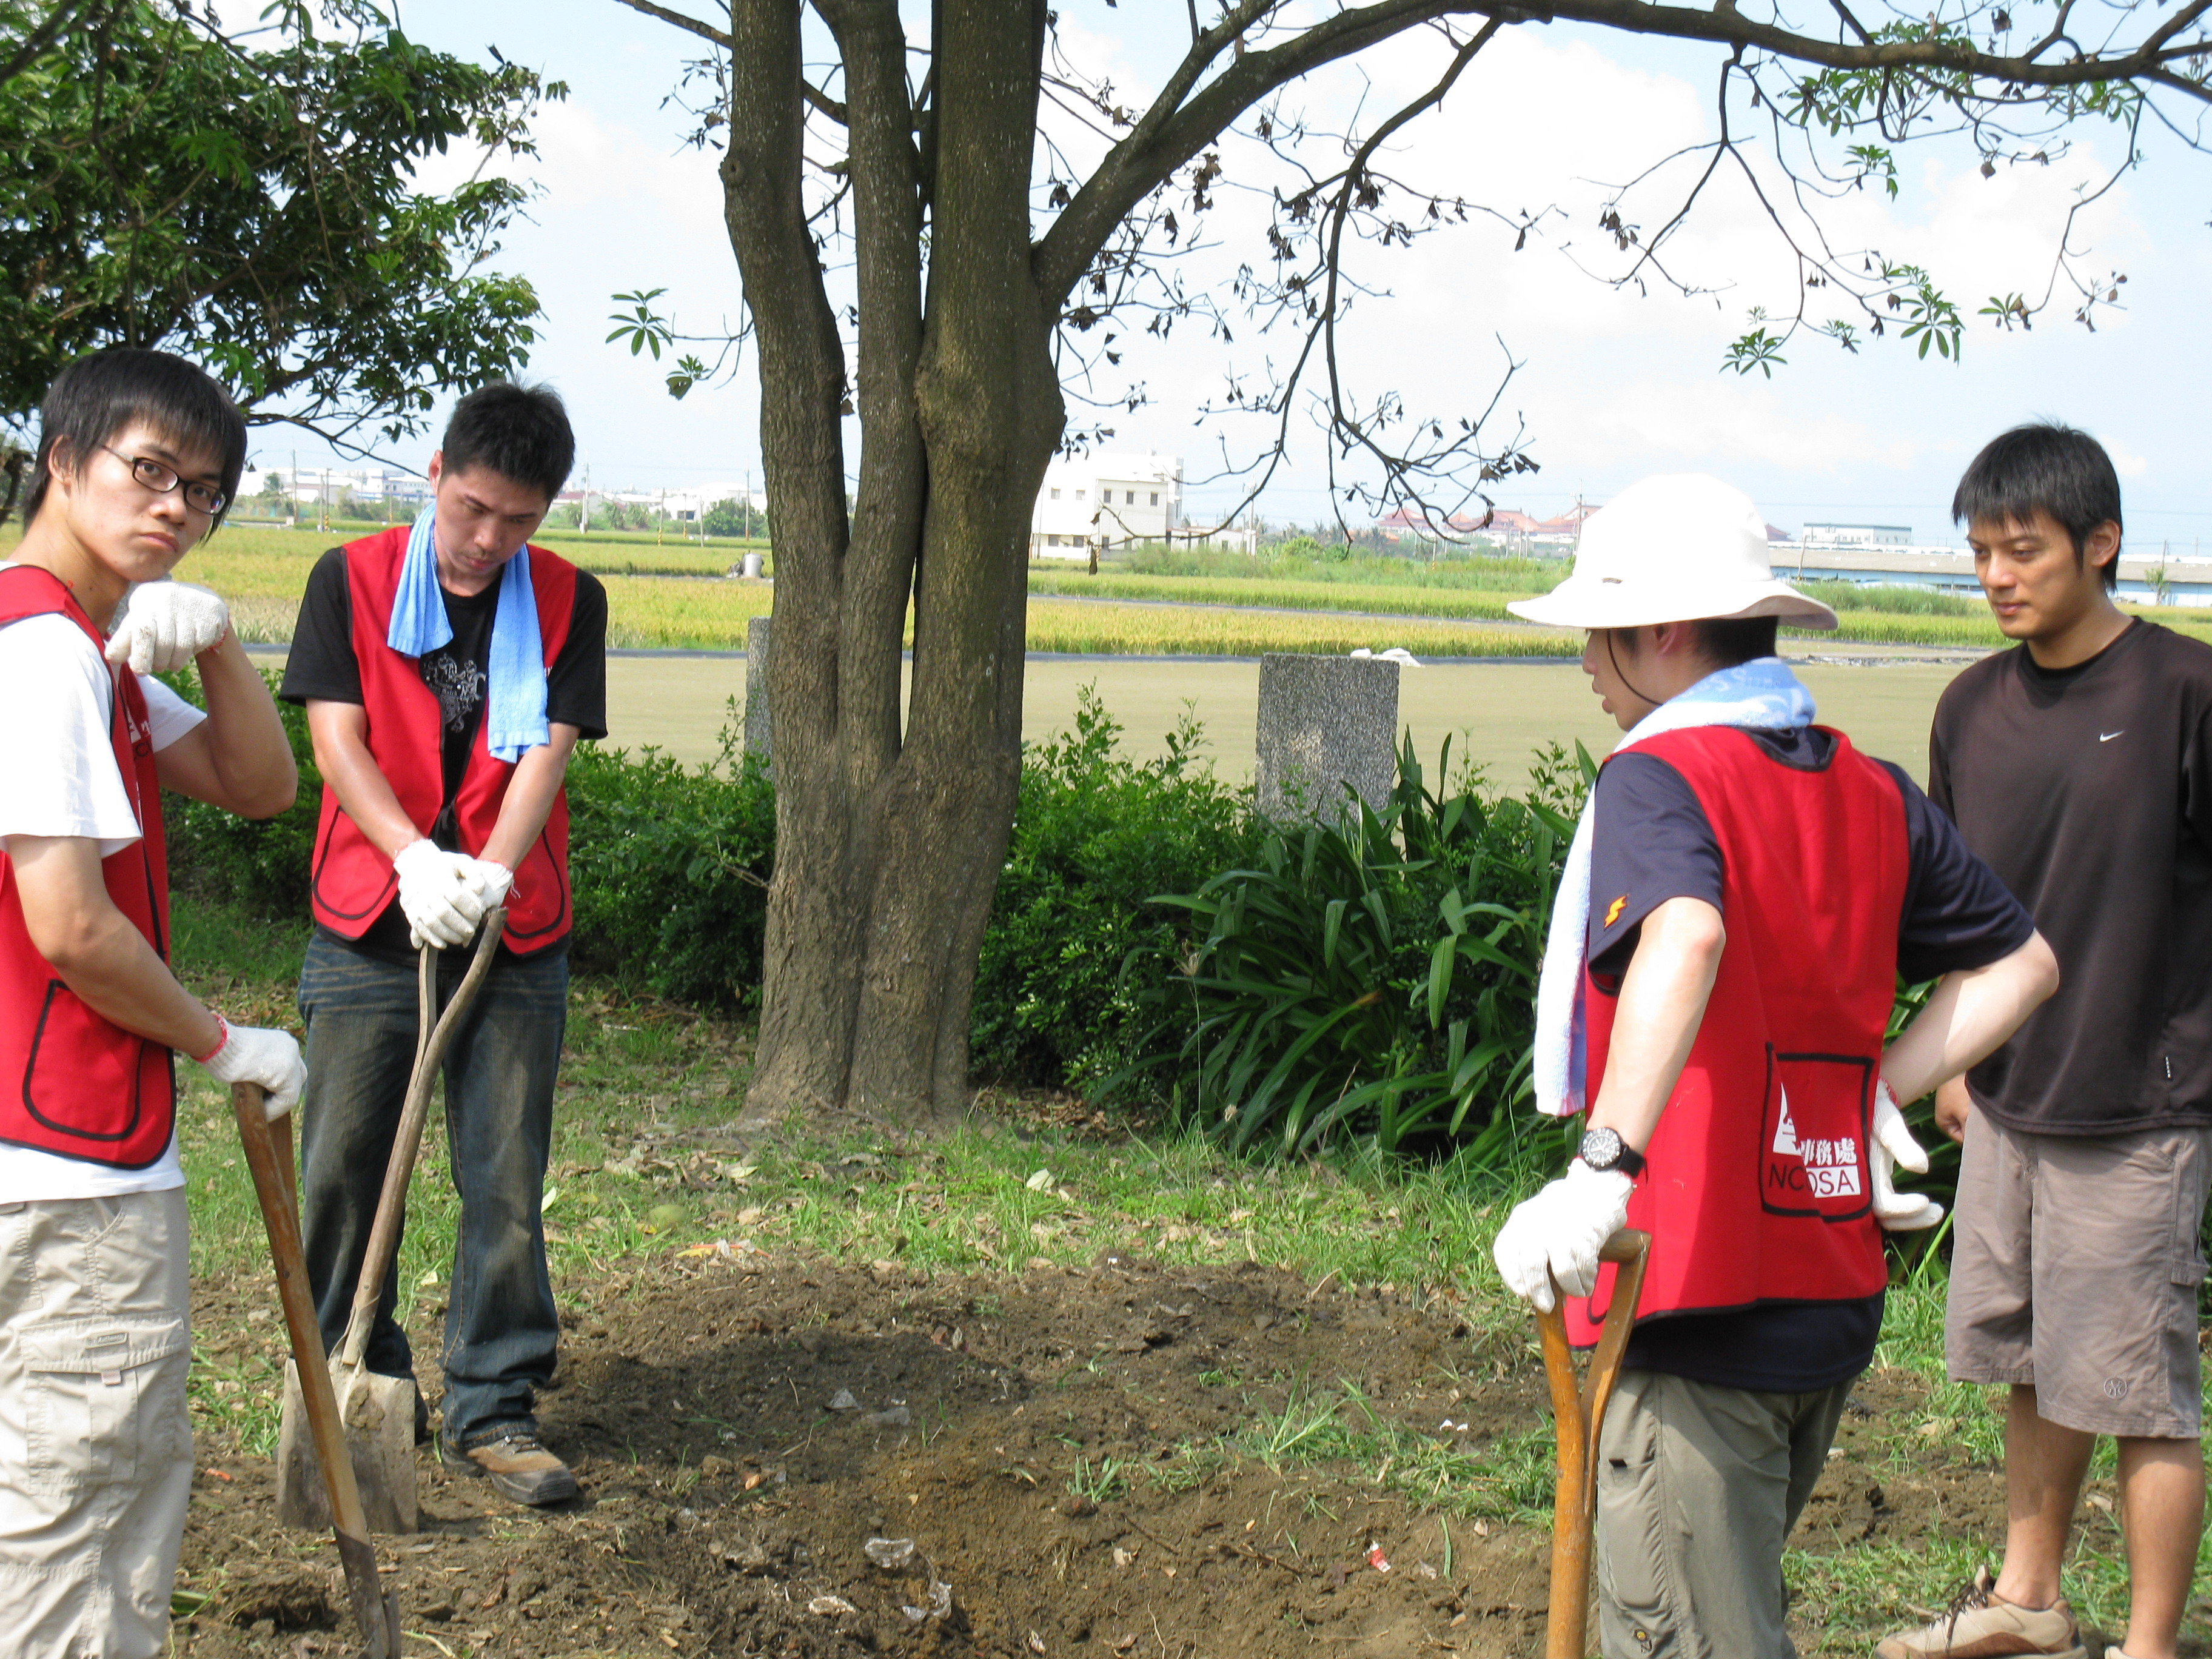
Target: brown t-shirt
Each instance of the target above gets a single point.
(2088, 790)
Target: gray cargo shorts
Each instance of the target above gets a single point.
(1698, 1488)
(2075, 1269)
(95, 1446)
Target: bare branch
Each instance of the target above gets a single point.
(1171, 132)
(1950, 55)
(692, 25)
(821, 100)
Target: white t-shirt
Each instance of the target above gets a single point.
(57, 699)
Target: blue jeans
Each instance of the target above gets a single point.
(502, 1329)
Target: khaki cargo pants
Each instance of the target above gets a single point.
(1698, 1488)
(95, 1446)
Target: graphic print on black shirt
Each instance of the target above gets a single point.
(457, 673)
(460, 687)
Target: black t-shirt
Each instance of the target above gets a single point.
(1652, 842)
(2090, 792)
(322, 666)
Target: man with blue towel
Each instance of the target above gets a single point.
(449, 670)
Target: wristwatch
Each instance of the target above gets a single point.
(1604, 1149)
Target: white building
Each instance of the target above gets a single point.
(1108, 498)
(312, 484)
(1857, 535)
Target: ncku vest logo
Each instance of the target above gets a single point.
(1814, 1158)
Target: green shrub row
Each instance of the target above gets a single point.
(1154, 943)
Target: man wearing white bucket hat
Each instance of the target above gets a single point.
(1739, 897)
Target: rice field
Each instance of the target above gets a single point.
(1496, 715)
(674, 595)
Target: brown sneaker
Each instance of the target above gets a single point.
(519, 1469)
(1982, 1624)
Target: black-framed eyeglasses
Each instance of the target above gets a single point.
(161, 478)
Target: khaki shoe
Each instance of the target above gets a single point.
(1982, 1624)
(519, 1468)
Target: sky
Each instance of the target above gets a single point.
(1610, 385)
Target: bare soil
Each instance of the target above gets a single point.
(744, 1426)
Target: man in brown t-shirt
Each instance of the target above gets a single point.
(2079, 768)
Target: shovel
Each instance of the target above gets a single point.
(1579, 1415)
(268, 1156)
(378, 1412)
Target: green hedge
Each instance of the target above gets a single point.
(670, 863)
(260, 866)
(1067, 989)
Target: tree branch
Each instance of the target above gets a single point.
(821, 100)
(1171, 132)
(692, 24)
(1950, 56)
(65, 14)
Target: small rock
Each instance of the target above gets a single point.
(843, 1401)
(896, 1417)
(1076, 1507)
(939, 1607)
(746, 1556)
(830, 1606)
(889, 1554)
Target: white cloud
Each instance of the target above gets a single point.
(2125, 461)
(1716, 423)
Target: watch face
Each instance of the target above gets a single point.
(1601, 1148)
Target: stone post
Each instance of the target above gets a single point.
(1325, 722)
(756, 687)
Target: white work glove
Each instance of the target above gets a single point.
(440, 894)
(494, 883)
(165, 625)
(1557, 1234)
(1894, 1145)
(254, 1054)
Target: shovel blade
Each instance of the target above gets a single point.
(375, 1609)
(379, 1415)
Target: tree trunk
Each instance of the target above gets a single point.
(888, 844)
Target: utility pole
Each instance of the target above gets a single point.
(294, 491)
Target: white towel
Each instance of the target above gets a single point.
(1762, 694)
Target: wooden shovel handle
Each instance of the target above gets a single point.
(273, 1187)
(1578, 1413)
(433, 1037)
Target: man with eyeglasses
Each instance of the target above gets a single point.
(139, 453)
(449, 670)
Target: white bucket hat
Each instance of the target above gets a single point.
(1677, 547)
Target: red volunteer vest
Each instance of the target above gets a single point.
(1760, 1188)
(353, 882)
(71, 1081)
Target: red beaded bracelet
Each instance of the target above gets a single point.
(223, 1035)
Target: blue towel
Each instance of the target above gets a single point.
(514, 700)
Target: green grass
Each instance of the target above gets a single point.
(1512, 577)
(644, 1083)
(1394, 599)
(1874, 616)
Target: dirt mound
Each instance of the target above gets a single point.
(820, 1460)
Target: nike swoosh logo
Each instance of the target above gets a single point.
(2106, 737)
